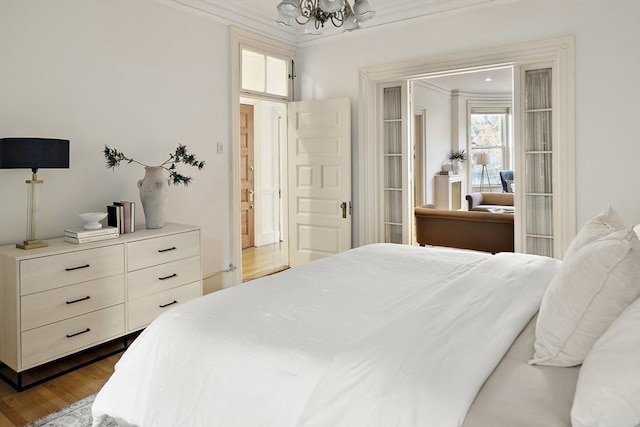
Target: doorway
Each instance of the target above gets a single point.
(450, 102)
(263, 224)
(309, 156)
(533, 63)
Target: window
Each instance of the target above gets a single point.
(489, 133)
(264, 74)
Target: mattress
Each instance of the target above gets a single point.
(380, 335)
(523, 395)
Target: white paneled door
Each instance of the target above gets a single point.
(319, 179)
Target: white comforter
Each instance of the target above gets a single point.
(380, 335)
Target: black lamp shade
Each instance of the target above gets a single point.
(34, 153)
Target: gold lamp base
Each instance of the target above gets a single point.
(32, 244)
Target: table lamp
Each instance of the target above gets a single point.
(33, 153)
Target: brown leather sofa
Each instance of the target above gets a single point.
(485, 202)
(481, 231)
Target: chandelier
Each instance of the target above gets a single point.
(313, 14)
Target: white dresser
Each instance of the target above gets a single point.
(67, 297)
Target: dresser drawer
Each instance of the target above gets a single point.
(58, 339)
(162, 277)
(143, 310)
(50, 272)
(62, 303)
(159, 250)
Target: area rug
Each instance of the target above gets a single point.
(75, 415)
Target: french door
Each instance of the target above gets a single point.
(557, 54)
(397, 191)
(536, 155)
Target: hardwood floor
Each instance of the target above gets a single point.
(19, 408)
(262, 261)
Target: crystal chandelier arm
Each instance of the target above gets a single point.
(331, 6)
(362, 10)
(307, 10)
(337, 18)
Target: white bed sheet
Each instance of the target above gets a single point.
(426, 367)
(253, 354)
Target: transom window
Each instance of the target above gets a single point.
(264, 74)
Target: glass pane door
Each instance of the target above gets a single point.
(538, 151)
(393, 161)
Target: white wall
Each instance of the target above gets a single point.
(607, 85)
(141, 77)
(437, 106)
(136, 75)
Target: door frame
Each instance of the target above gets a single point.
(419, 161)
(419, 152)
(239, 39)
(560, 52)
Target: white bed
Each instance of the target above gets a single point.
(382, 335)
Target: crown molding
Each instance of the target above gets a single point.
(234, 17)
(259, 16)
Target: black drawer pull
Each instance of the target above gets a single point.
(77, 268)
(173, 248)
(78, 300)
(78, 333)
(167, 305)
(168, 277)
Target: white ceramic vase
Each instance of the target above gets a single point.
(456, 166)
(153, 194)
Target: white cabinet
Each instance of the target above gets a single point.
(66, 297)
(449, 192)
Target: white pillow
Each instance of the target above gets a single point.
(608, 389)
(594, 285)
(597, 227)
(637, 230)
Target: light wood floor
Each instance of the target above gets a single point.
(19, 408)
(262, 261)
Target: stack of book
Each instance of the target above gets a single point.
(80, 235)
(122, 215)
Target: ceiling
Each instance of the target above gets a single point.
(259, 17)
(475, 82)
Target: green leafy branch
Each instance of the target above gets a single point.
(114, 157)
